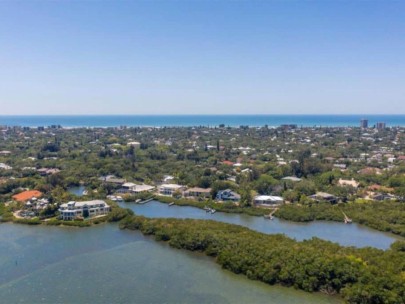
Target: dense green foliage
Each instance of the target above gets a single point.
(383, 216)
(358, 275)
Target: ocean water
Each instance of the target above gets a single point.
(199, 120)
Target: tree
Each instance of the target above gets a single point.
(265, 183)
(246, 197)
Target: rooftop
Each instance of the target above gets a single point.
(27, 195)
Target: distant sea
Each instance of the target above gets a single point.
(200, 120)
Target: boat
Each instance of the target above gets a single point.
(138, 200)
(85, 192)
(119, 198)
(213, 211)
(206, 208)
(171, 204)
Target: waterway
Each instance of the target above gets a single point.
(102, 264)
(346, 235)
(78, 190)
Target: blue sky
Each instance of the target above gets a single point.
(202, 57)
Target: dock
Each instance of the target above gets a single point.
(270, 216)
(346, 219)
(146, 201)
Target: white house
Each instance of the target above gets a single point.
(142, 188)
(134, 144)
(169, 189)
(268, 200)
(347, 182)
(134, 188)
(71, 210)
(5, 167)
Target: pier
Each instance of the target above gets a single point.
(347, 220)
(146, 201)
(270, 216)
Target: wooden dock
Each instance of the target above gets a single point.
(347, 219)
(146, 201)
(270, 216)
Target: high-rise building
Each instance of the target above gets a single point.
(381, 125)
(364, 123)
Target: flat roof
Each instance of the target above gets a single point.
(268, 198)
(88, 203)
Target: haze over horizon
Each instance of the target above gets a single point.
(211, 57)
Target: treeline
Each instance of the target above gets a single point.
(384, 216)
(359, 275)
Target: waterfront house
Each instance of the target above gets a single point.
(170, 189)
(142, 188)
(126, 188)
(198, 192)
(227, 195)
(87, 209)
(323, 196)
(134, 188)
(268, 200)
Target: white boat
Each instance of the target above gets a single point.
(213, 211)
(171, 204)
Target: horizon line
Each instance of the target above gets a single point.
(193, 114)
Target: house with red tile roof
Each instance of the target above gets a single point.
(27, 195)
